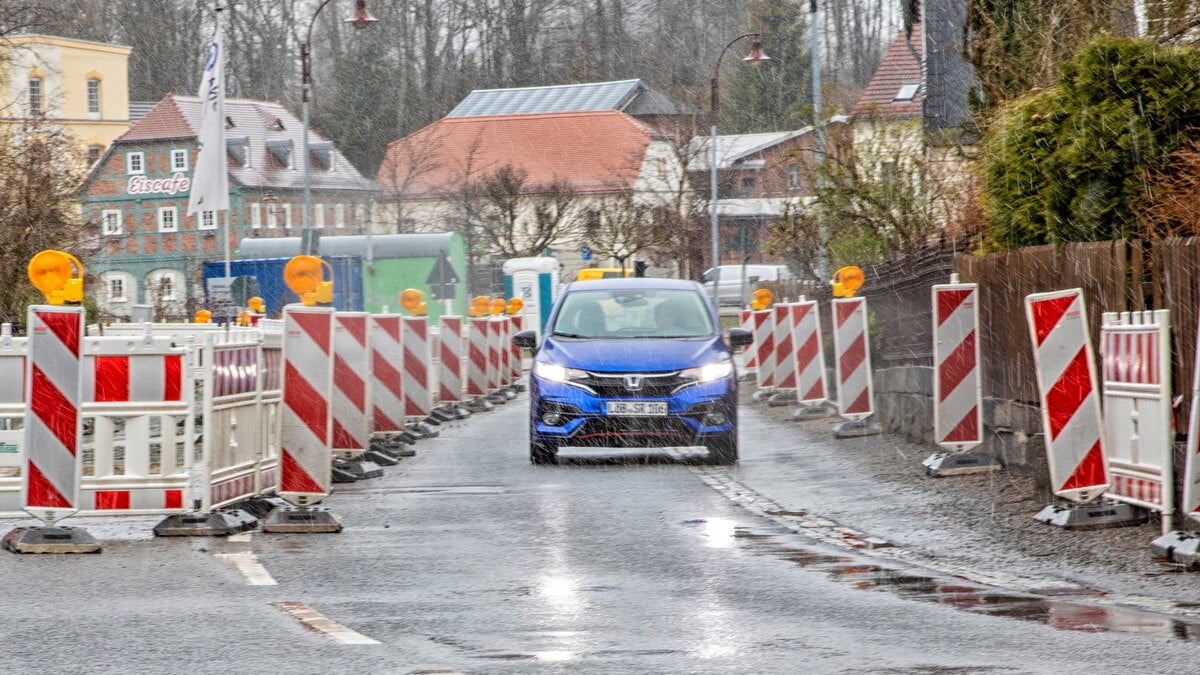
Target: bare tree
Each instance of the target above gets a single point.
(521, 220)
(621, 227)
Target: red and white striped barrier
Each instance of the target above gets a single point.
(1135, 353)
(136, 377)
(764, 348)
(387, 388)
(418, 392)
(305, 417)
(856, 398)
(785, 353)
(516, 323)
(478, 329)
(351, 399)
(746, 318)
(958, 397)
(495, 338)
(1070, 398)
(53, 425)
(450, 359)
(811, 384)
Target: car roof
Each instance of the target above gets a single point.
(633, 282)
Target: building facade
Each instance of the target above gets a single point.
(147, 250)
(81, 86)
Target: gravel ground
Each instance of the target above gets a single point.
(981, 524)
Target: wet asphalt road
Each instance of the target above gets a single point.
(468, 559)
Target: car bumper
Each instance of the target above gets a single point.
(694, 414)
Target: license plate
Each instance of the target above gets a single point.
(636, 408)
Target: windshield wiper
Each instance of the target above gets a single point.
(572, 335)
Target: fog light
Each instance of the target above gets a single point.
(551, 419)
(714, 419)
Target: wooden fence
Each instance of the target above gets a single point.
(1114, 275)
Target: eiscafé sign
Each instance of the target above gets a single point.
(140, 185)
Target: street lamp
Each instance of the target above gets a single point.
(755, 56)
(360, 19)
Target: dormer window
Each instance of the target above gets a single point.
(320, 155)
(280, 152)
(238, 148)
(907, 92)
(277, 125)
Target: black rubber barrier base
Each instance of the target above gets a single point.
(50, 540)
(1093, 515)
(215, 524)
(302, 520)
(956, 464)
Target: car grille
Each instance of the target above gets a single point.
(647, 385)
(633, 432)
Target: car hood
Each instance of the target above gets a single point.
(618, 356)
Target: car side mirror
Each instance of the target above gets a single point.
(526, 339)
(738, 337)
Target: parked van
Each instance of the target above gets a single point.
(731, 290)
(589, 273)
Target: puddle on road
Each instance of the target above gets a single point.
(965, 595)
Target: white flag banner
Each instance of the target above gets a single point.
(210, 182)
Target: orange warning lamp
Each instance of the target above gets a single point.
(479, 306)
(202, 316)
(762, 299)
(58, 275)
(256, 303)
(497, 307)
(410, 299)
(515, 305)
(305, 275)
(846, 281)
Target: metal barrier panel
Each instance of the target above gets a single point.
(811, 383)
(477, 356)
(387, 389)
(12, 403)
(764, 348)
(958, 396)
(305, 476)
(1135, 353)
(493, 353)
(785, 354)
(414, 339)
(240, 383)
(1066, 376)
(51, 472)
(856, 398)
(351, 395)
(450, 348)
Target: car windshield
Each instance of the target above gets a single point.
(633, 314)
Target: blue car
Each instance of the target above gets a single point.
(633, 364)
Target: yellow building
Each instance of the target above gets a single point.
(82, 86)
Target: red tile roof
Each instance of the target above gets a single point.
(898, 68)
(594, 151)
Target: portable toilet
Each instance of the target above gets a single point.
(535, 282)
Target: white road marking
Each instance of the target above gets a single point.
(328, 627)
(247, 563)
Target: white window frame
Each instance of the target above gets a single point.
(256, 219)
(339, 215)
(113, 281)
(135, 163)
(111, 222)
(318, 216)
(168, 219)
(793, 177)
(169, 295)
(207, 220)
(93, 98)
(272, 216)
(179, 160)
(287, 216)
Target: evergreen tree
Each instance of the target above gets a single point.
(777, 94)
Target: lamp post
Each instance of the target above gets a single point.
(756, 55)
(361, 18)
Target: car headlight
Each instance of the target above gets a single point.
(553, 372)
(709, 372)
